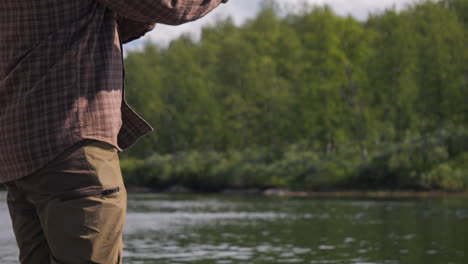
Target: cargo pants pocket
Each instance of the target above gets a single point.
(85, 225)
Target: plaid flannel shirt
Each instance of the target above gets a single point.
(61, 74)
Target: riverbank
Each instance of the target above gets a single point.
(436, 163)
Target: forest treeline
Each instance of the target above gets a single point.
(309, 100)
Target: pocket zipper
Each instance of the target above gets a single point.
(77, 194)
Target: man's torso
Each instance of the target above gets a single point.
(61, 80)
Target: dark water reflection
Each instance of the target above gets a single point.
(232, 229)
(221, 230)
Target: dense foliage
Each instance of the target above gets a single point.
(308, 101)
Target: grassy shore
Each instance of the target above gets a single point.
(429, 164)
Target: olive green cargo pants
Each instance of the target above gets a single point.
(73, 210)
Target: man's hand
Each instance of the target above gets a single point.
(130, 30)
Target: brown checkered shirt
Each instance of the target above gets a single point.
(61, 74)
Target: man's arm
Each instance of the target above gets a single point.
(171, 12)
(130, 30)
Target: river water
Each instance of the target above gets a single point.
(216, 229)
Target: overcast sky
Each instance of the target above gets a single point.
(240, 10)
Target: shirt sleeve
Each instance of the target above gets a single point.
(171, 12)
(130, 30)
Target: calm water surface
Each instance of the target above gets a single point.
(176, 229)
